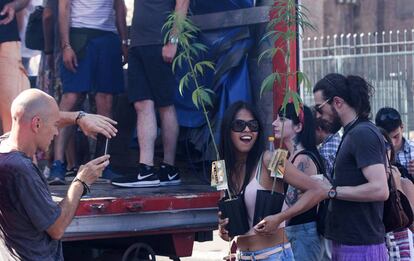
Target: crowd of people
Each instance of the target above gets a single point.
(92, 41)
(355, 168)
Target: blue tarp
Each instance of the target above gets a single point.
(228, 49)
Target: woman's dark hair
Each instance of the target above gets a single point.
(307, 136)
(353, 89)
(227, 149)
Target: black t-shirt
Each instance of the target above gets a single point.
(148, 20)
(357, 223)
(8, 32)
(27, 211)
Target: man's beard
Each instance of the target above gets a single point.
(336, 124)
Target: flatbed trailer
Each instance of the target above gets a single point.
(162, 220)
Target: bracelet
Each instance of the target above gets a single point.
(86, 188)
(126, 42)
(81, 114)
(66, 46)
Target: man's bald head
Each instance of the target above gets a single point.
(31, 103)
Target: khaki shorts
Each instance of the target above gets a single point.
(13, 79)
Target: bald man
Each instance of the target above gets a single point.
(31, 223)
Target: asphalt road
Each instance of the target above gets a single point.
(206, 251)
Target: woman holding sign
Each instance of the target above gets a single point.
(242, 145)
(298, 135)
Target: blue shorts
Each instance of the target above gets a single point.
(306, 243)
(99, 71)
(149, 77)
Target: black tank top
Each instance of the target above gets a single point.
(310, 215)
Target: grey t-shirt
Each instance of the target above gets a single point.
(26, 211)
(148, 20)
(350, 222)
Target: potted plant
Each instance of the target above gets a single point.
(182, 28)
(286, 16)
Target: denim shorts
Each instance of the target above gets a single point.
(284, 255)
(305, 240)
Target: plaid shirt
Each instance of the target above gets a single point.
(328, 150)
(406, 153)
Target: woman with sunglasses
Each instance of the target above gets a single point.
(241, 146)
(298, 135)
(398, 242)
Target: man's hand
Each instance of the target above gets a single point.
(92, 124)
(223, 233)
(268, 225)
(324, 183)
(410, 167)
(7, 13)
(168, 52)
(69, 59)
(92, 170)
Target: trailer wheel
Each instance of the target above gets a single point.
(139, 252)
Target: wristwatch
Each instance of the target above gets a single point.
(332, 193)
(81, 114)
(173, 39)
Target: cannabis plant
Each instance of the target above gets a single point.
(286, 16)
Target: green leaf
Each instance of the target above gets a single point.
(267, 83)
(204, 96)
(194, 97)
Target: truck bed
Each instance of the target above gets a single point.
(113, 212)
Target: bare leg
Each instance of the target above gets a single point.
(68, 103)
(146, 130)
(169, 132)
(104, 104)
(103, 107)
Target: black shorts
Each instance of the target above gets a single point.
(149, 77)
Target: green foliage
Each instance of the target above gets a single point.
(289, 14)
(180, 26)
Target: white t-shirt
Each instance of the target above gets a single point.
(95, 14)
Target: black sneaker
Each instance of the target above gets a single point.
(146, 178)
(169, 175)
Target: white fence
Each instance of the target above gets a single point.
(385, 59)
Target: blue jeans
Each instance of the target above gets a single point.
(285, 255)
(306, 243)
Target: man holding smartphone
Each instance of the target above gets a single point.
(31, 223)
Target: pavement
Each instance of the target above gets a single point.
(205, 251)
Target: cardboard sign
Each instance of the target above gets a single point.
(218, 175)
(277, 163)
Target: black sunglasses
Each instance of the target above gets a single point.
(390, 116)
(318, 107)
(240, 125)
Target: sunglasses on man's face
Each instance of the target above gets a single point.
(240, 125)
(318, 107)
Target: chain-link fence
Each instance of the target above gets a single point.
(384, 59)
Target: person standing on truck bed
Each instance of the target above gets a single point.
(151, 85)
(31, 223)
(13, 78)
(93, 37)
